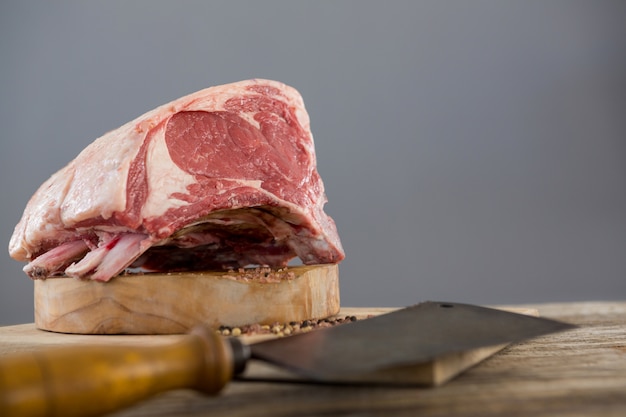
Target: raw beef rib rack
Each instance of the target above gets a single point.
(222, 178)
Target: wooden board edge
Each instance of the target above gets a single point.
(173, 303)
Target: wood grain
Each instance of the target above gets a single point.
(581, 372)
(175, 302)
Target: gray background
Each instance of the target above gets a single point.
(472, 151)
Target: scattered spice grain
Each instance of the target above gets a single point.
(285, 329)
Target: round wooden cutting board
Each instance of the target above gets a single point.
(158, 303)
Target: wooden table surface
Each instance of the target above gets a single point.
(581, 372)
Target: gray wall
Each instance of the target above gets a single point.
(472, 150)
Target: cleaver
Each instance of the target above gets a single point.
(400, 347)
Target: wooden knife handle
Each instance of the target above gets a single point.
(94, 380)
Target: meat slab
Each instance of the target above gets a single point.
(222, 178)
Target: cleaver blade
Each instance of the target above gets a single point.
(425, 344)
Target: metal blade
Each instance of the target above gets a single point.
(401, 339)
